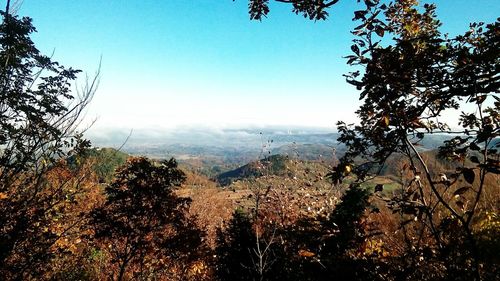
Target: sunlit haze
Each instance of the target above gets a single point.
(178, 63)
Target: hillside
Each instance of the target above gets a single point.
(311, 151)
(105, 161)
(272, 165)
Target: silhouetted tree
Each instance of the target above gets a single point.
(347, 221)
(410, 75)
(312, 9)
(408, 81)
(144, 223)
(38, 117)
(235, 249)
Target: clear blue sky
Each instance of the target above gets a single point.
(203, 62)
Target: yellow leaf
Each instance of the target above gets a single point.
(3, 196)
(386, 120)
(347, 169)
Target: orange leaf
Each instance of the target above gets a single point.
(306, 253)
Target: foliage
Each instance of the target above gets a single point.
(311, 9)
(406, 86)
(261, 247)
(143, 222)
(487, 233)
(235, 249)
(269, 165)
(104, 161)
(347, 221)
(40, 197)
(67, 212)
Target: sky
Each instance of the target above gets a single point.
(190, 63)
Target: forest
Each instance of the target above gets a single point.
(382, 208)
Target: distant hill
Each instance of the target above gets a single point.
(212, 152)
(435, 164)
(311, 151)
(105, 161)
(272, 165)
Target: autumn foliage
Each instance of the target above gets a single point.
(72, 212)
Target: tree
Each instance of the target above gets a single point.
(105, 161)
(39, 115)
(406, 86)
(235, 249)
(312, 9)
(409, 76)
(143, 223)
